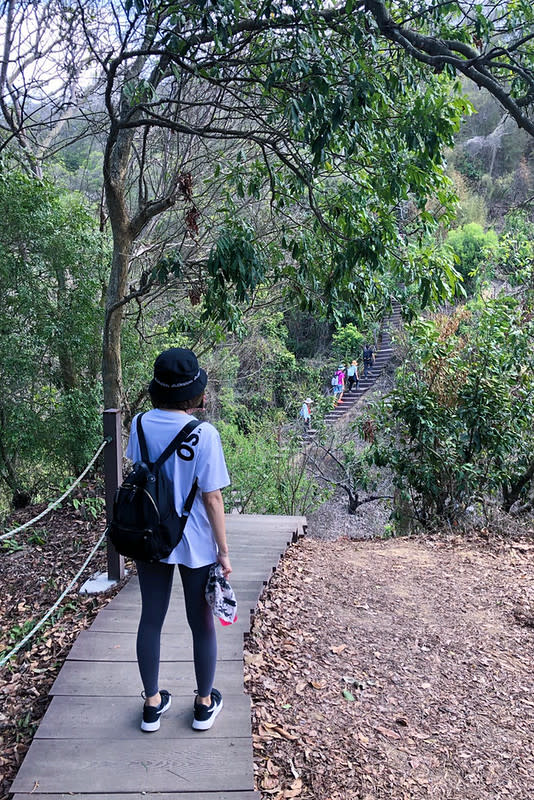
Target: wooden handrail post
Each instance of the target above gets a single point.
(113, 479)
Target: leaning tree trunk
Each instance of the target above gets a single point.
(116, 157)
(126, 226)
(111, 344)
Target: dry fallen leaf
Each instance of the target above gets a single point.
(387, 732)
(271, 767)
(270, 782)
(254, 659)
(286, 734)
(338, 649)
(295, 789)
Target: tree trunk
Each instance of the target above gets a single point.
(353, 502)
(69, 375)
(118, 149)
(21, 496)
(512, 491)
(403, 513)
(111, 345)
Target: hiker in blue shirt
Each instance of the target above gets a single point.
(305, 412)
(352, 375)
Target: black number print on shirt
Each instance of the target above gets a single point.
(185, 451)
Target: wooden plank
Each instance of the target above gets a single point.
(247, 588)
(89, 743)
(272, 543)
(120, 717)
(155, 765)
(126, 620)
(132, 603)
(103, 646)
(254, 572)
(252, 795)
(268, 541)
(276, 520)
(238, 583)
(121, 679)
(131, 592)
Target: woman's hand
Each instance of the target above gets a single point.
(224, 561)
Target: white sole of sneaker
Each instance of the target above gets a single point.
(206, 724)
(149, 727)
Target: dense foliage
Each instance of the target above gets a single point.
(52, 263)
(457, 427)
(273, 175)
(473, 248)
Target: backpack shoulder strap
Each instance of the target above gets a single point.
(189, 500)
(142, 440)
(178, 439)
(176, 442)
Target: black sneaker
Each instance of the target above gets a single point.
(204, 716)
(151, 714)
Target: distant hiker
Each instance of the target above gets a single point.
(340, 375)
(352, 375)
(335, 386)
(305, 412)
(368, 359)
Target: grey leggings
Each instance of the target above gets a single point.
(155, 581)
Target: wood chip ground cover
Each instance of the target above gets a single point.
(35, 568)
(395, 669)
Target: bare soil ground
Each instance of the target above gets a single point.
(396, 669)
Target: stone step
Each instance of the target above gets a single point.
(382, 357)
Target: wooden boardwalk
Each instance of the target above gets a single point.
(89, 743)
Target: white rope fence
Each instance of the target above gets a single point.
(60, 499)
(51, 610)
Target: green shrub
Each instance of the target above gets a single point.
(472, 248)
(268, 472)
(347, 343)
(458, 425)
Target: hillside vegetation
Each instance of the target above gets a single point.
(258, 182)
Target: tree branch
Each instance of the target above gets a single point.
(437, 53)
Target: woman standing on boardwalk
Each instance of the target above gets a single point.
(176, 390)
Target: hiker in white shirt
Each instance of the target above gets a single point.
(176, 390)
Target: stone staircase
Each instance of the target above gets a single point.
(383, 355)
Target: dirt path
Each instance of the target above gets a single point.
(396, 669)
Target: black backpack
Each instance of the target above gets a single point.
(145, 525)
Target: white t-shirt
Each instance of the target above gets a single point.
(201, 458)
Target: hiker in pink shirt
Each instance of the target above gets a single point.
(340, 374)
